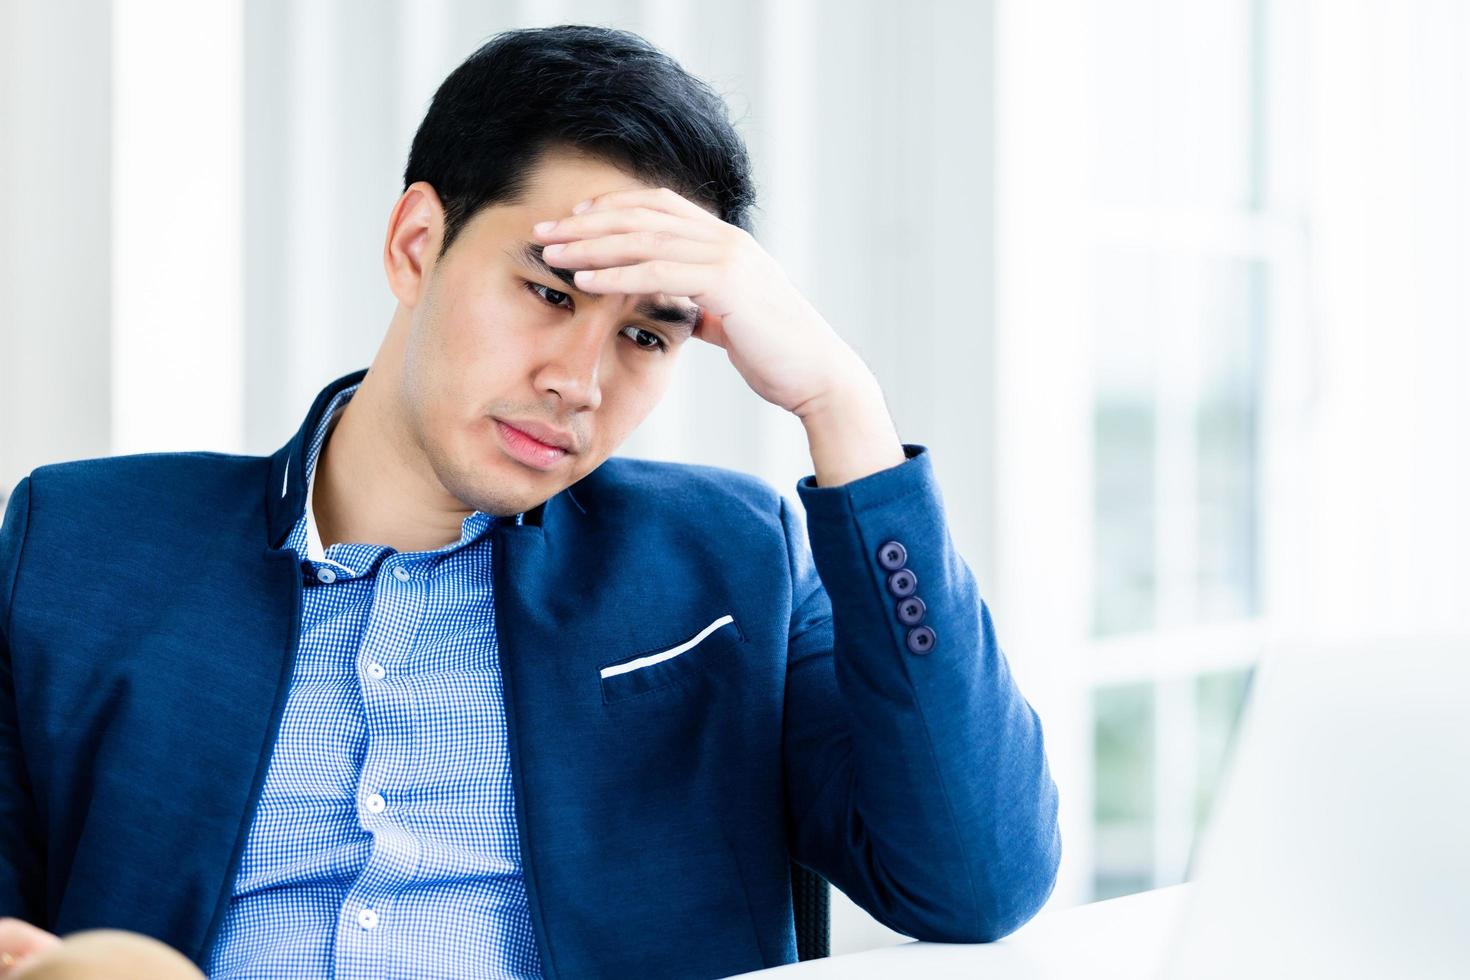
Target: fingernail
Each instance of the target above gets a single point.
(544, 226)
(581, 207)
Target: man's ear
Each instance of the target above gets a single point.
(415, 229)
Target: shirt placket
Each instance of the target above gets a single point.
(367, 924)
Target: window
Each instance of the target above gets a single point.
(1149, 268)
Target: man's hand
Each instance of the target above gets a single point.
(93, 954)
(21, 942)
(656, 241)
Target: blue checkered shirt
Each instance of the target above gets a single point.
(384, 843)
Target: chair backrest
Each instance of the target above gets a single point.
(812, 903)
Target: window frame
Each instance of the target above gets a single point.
(1048, 227)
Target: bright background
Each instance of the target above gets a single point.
(1175, 292)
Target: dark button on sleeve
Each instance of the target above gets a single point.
(902, 583)
(892, 556)
(910, 610)
(922, 639)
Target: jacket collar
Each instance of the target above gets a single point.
(285, 485)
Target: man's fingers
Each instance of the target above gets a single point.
(110, 954)
(19, 941)
(18, 936)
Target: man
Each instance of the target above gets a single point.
(442, 688)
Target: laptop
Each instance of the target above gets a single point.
(1340, 843)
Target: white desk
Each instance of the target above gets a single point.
(1122, 937)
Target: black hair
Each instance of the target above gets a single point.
(604, 92)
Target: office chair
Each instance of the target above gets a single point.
(812, 902)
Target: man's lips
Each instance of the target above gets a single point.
(543, 434)
(529, 451)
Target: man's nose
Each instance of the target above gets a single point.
(572, 370)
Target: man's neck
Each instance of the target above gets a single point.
(372, 488)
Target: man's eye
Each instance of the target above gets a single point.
(550, 296)
(652, 342)
(658, 345)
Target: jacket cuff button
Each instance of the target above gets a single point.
(922, 639)
(902, 583)
(911, 610)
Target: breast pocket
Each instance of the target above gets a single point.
(635, 674)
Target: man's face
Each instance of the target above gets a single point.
(497, 339)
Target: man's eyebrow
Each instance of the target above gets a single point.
(683, 319)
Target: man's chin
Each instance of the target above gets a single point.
(500, 498)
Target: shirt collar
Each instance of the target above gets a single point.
(314, 549)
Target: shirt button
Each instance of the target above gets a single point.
(892, 556)
(400, 573)
(326, 575)
(367, 918)
(376, 671)
(376, 803)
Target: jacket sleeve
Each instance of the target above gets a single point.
(916, 782)
(21, 873)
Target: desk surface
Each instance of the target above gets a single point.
(1121, 937)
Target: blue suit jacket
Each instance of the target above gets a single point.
(148, 623)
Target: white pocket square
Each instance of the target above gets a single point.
(654, 658)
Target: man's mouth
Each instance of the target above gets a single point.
(527, 449)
